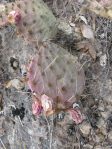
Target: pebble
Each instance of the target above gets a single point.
(103, 60)
(85, 128)
(110, 136)
(88, 146)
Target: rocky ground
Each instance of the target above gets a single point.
(19, 128)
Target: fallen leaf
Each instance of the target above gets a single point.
(2, 8)
(16, 83)
(87, 31)
(76, 115)
(83, 19)
(106, 3)
(109, 13)
(102, 8)
(72, 24)
(87, 46)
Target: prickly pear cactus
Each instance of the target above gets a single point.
(55, 77)
(32, 18)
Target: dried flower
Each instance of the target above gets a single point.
(46, 103)
(76, 115)
(36, 108)
(14, 17)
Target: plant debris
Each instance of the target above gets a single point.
(16, 83)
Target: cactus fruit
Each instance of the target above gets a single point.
(56, 78)
(32, 19)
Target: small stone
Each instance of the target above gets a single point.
(103, 60)
(105, 114)
(100, 123)
(102, 126)
(88, 146)
(110, 136)
(99, 137)
(98, 147)
(85, 128)
(2, 8)
(101, 106)
(65, 27)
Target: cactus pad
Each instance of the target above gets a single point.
(55, 77)
(33, 19)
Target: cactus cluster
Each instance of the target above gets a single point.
(55, 77)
